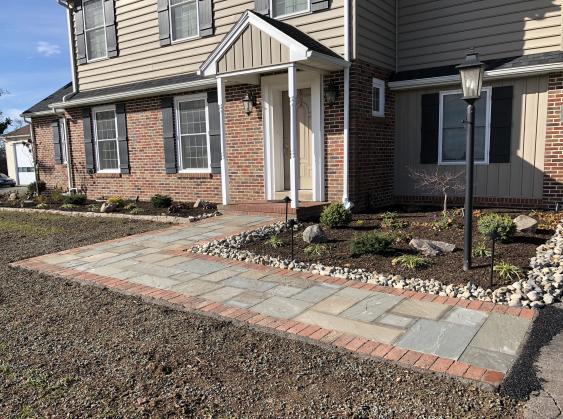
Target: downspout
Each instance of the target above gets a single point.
(346, 157)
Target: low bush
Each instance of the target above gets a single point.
(161, 201)
(75, 199)
(275, 241)
(506, 270)
(118, 201)
(371, 243)
(481, 250)
(411, 262)
(32, 187)
(392, 221)
(336, 215)
(57, 196)
(496, 226)
(316, 250)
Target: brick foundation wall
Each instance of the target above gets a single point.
(553, 158)
(54, 175)
(480, 201)
(372, 139)
(334, 140)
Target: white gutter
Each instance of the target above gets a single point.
(345, 186)
(504, 73)
(135, 94)
(70, 31)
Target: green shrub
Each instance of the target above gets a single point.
(275, 241)
(411, 261)
(371, 243)
(497, 226)
(316, 250)
(336, 215)
(161, 201)
(481, 251)
(446, 221)
(57, 196)
(68, 206)
(130, 207)
(75, 199)
(391, 220)
(32, 187)
(94, 207)
(118, 201)
(136, 211)
(506, 270)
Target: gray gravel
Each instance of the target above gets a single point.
(68, 350)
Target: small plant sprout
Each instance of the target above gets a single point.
(316, 250)
(481, 251)
(392, 221)
(506, 270)
(411, 262)
(275, 241)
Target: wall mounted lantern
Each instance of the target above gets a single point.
(331, 94)
(249, 102)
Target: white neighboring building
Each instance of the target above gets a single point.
(19, 155)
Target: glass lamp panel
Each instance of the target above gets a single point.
(471, 82)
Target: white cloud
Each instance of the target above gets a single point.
(47, 49)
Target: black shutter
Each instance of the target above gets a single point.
(57, 142)
(214, 127)
(501, 124)
(170, 159)
(164, 23)
(317, 5)
(430, 115)
(111, 33)
(262, 7)
(121, 116)
(205, 8)
(88, 140)
(79, 32)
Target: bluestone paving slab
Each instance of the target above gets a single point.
(118, 258)
(126, 275)
(105, 270)
(466, 317)
(369, 309)
(283, 291)
(201, 267)
(172, 261)
(100, 256)
(185, 276)
(58, 259)
(154, 281)
(153, 258)
(195, 287)
(281, 307)
(417, 308)
(440, 338)
(249, 284)
(501, 333)
(395, 320)
(128, 248)
(220, 275)
(487, 359)
(369, 331)
(253, 274)
(290, 281)
(354, 293)
(222, 294)
(150, 269)
(247, 299)
(334, 304)
(315, 293)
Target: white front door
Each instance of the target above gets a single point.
(24, 164)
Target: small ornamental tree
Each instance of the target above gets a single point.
(442, 181)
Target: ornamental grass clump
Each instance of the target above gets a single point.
(316, 250)
(481, 251)
(371, 243)
(411, 262)
(275, 241)
(497, 227)
(336, 215)
(506, 270)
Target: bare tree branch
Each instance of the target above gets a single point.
(444, 182)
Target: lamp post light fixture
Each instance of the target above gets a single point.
(472, 72)
(331, 94)
(249, 102)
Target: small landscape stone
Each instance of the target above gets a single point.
(314, 234)
(107, 208)
(431, 247)
(526, 224)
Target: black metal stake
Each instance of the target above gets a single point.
(469, 155)
(493, 238)
(291, 224)
(287, 200)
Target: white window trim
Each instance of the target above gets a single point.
(488, 92)
(95, 112)
(86, 33)
(176, 41)
(190, 98)
(63, 139)
(381, 85)
(301, 12)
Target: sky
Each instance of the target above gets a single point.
(34, 58)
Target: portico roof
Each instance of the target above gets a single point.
(256, 42)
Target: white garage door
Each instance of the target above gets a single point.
(24, 164)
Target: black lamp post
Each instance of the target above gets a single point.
(286, 200)
(472, 71)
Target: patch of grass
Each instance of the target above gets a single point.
(316, 250)
(411, 262)
(27, 412)
(6, 371)
(32, 226)
(506, 270)
(275, 241)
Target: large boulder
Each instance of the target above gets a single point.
(431, 247)
(525, 224)
(314, 234)
(13, 197)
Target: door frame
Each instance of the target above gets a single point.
(272, 87)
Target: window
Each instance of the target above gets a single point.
(378, 98)
(105, 133)
(289, 7)
(64, 140)
(453, 131)
(183, 19)
(193, 142)
(95, 29)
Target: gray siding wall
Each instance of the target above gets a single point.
(439, 32)
(142, 58)
(376, 32)
(521, 178)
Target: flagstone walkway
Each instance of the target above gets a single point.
(474, 340)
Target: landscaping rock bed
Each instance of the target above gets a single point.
(542, 285)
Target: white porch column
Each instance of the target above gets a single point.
(294, 136)
(224, 161)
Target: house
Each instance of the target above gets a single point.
(19, 156)
(244, 101)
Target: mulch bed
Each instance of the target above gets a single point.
(446, 268)
(68, 350)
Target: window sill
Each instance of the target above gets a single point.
(107, 175)
(188, 175)
(180, 41)
(292, 15)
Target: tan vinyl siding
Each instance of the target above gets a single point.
(521, 178)
(375, 32)
(439, 32)
(142, 58)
